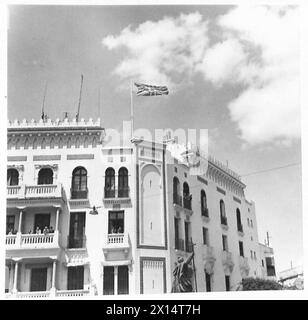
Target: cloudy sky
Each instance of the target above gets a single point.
(232, 70)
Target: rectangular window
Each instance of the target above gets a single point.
(248, 223)
(251, 254)
(116, 222)
(224, 243)
(123, 280)
(241, 248)
(188, 245)
(254, 255)
(208, 280)
(75, 278)
(108, 280)
(176, 233)
(251, 223)
(10, 224)
(227, 281)
(76, 238)
(205, 236)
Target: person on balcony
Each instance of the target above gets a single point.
(120, 230)
(46, 231)
(113, 230)
(38, 230)
(51, 230)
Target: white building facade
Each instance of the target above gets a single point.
(84, 218)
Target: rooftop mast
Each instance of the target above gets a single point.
(78, 111)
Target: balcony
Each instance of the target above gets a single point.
(117, 246)
(227, 261)
(117, 196)
(244, 266)
(32, 241)
(31, 194)
(72, 293)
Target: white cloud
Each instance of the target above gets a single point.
(162, 51)
(258, 48)
(269, 108)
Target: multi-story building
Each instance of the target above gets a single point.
(86, 218)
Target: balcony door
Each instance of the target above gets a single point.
(38, 279)
(108, 280)
(75, 278)
(77, 229)
(122, 279)
(41, 220)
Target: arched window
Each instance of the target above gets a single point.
(123, 183)
(238, 220)
(45, 176)
(109, 183)
(223, 217)
(204, 209)
(79, 183)
(176, 191)
(186, 196)
(12, 177)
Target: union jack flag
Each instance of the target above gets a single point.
(149, 90)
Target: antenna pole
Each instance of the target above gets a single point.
(78, 111)
(43, 105)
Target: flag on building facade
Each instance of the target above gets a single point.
(149, 90)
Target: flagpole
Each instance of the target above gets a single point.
(131, 108)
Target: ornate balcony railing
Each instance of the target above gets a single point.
(116, 238)
(33, 295)
(72, 293)
(10, 240)
(32, 241)
(35, 191)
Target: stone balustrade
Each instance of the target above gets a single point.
(35, 191)
(32, 241)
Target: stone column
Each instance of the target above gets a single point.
(14, 291)
(57, 218)
(20, 218)
(53, 289)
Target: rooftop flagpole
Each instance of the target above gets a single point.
(131, 109)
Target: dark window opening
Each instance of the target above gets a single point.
(227, 281)
(38, 281)
(223, 217)
(116, 222)
(79, 183)
(123, 280)
(205, 232)
(177, 199)
(238, 220)
(123, 188)
(76, 238)
(109, 183)
(186, 196)
(108, 284)
(204, 209)
(75, 278)
(12, 177)
(208, 280)
(10, 224)
(241, 248)
(224, 243)
(45, 176)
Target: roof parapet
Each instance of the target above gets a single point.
(16, 124)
